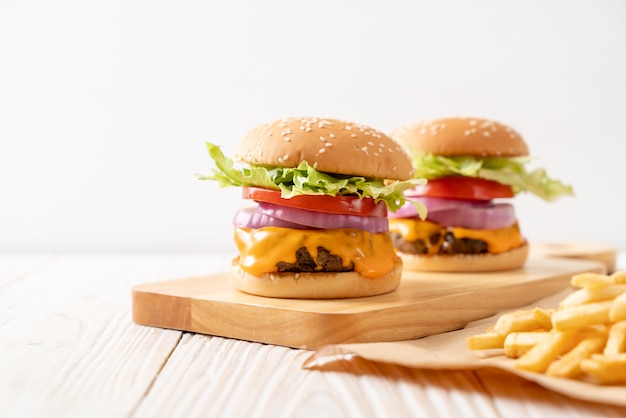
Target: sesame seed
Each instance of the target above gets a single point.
(394, 168)
(315, 165)
(364, 149)
(322, 139)
(322, 150)
(473, 123)
(352, 135)
(332, 135)
(286, 132)
(328, 144)
(308, 129)
(270, 134)
(376, 154)
(348, 128)
(370, 143)
(486, 133)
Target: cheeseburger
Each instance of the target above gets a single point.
(320, 191)
(473, 166)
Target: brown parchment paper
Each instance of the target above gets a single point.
(449, 351)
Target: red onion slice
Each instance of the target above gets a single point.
(303, 217)
(461, 213)
(252, 218)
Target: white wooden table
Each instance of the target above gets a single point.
(68, 347)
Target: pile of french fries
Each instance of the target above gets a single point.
(583, 338)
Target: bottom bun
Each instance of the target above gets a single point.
(467, 263)
(315, 285)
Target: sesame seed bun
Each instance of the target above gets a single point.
(462, 136)
(460, 263)
(315, 285)
(328, 145)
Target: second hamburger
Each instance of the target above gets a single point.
(472, 166)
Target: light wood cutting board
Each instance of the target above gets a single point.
(423, 304)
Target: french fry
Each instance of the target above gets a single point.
(616, 342)
(590, 280)
(539, 357)
(516, 344)
(580, 316)
(619, 277)
(593, 294)
(607, 369)
(585, 337)
(485, 341)
(618, 308)
(488, 329)
(527, 320)
(569, 365)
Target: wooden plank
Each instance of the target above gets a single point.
(15, 266)
(224, 377)
(513, 395)
(424, 304)
(69, 347)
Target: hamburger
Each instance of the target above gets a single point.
(320, 191)
(474, 167)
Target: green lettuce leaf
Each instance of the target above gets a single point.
(511, 171)
(305, 180)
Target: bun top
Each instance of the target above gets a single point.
(328, 145)
(462, 136)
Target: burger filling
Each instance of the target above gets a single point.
(428, 238)
(277, 249)
(325, 262)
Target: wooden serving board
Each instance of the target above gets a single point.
(578, 250)
(423, 304)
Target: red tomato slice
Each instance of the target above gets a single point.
(467, 188)
(350, 205)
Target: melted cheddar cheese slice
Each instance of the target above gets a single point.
(260, 250)
(498, 240)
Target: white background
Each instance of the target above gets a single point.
(105, 105)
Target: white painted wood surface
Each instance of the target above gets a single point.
(68, 348)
